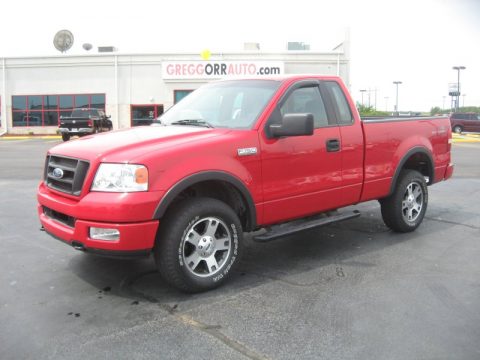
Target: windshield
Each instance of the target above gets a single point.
(83, 113)
(226, 104)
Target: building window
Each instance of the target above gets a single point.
(144, 114)
(45, 110)
(179, 95)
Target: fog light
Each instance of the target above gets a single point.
(104, 234)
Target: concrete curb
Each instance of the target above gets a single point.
(28, 137)
(465, 138)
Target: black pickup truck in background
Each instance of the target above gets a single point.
(84, 121)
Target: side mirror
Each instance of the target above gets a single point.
(293, 125)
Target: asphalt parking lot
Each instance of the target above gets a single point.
(352, 290)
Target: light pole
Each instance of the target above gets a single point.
(363, 91)
(386, 103)
(463, 102)
(396, 103)
(458, 68)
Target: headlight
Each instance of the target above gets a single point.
(121, 178)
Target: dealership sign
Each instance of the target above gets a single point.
(184, 70)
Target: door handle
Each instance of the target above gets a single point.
(333, 145)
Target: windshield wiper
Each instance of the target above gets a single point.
(193, 122)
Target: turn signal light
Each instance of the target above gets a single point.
(141, 175)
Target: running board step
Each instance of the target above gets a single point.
(295, 226)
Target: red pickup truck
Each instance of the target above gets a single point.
(237, 156)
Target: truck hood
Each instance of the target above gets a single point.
(113, 146)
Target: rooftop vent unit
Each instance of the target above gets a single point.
(251, 46)
(106, 49)
(295, 45)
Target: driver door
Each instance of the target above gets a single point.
(302, 175)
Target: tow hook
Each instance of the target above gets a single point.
(78, 246)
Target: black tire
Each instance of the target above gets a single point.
(65, 137)
(403, 211)
(198, 245)
(457, 129)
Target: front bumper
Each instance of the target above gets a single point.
(134, 237)
(70, 219)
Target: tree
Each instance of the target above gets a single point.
(370, 111)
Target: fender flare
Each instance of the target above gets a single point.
(183, 184)
(408, 155)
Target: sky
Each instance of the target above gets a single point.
(413, 41)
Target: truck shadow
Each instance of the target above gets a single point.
(307, 259)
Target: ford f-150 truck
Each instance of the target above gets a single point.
(84, 121)
(237, 156)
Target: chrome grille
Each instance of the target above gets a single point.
(73, 173)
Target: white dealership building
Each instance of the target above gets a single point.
(135, 88)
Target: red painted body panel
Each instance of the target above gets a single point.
(287, 178)
(299, 175)
(103, 206)
(386, 144)
(133, 236)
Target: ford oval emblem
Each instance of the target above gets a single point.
(57, 173)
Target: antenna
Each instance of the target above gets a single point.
(63, 40)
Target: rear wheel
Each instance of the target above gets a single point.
(403, 211)
(457, 129)
(199, 244)
(65, 137)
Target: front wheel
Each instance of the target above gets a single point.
(65, 137)
(403, 211)
(457, 129)
(199, 243)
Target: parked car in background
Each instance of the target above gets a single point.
(461, 122)
(84, 121)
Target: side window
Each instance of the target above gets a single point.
(306, 100)
(342, 109)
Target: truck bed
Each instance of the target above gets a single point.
(385, 146)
